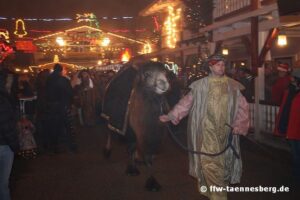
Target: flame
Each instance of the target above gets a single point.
(125, 56)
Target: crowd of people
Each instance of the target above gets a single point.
(46, 125)
(215, 100)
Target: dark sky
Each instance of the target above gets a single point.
(68, 8)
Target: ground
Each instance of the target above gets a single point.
(88, 176)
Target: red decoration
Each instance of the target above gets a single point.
(156, 23)
(25, 45)
(5, 50)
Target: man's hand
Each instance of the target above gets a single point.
(236, 131)
(164, 118)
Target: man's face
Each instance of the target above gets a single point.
(218, 69)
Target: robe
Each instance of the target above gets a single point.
(211, 103)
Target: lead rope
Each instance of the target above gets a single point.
(229, 144)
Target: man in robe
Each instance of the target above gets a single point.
(213, 102)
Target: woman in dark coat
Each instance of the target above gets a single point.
(288, 121)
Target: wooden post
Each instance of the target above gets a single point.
(254, 45)
(218, 47)
(267, 45)
(254, 68)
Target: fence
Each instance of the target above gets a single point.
(268, 113)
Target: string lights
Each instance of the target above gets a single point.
(5, 50)
(171, 27)
(5, 35)
(20, 28)
(88, 17)
(66, 19)
(147, 48)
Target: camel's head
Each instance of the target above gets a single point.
(153, 76)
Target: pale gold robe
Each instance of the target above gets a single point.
(210, 104)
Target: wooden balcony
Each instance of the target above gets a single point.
(267, 2)
(228, 8)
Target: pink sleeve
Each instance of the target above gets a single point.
(181, 109)
(242, 119)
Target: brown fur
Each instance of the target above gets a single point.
(144, 130)
(145, 108)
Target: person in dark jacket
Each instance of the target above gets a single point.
(59, 96)
(41, 107)
(9, 143)
(288, 121)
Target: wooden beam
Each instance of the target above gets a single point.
(269, 24)
(219, 36)
(267, 45)
(255, 4)
(218, 47)
(254, 45)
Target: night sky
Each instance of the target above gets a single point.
(69, 8)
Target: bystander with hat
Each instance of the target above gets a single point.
(281, 84)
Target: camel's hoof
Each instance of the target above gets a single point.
(106, 153)
(132, 170)
(152, 185)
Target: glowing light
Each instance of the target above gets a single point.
(92, 29)
(225, 51)
(56, 59)
(5, 50)
(170, 26)
(100, 62)
(88, 17)
(5, 35)
(17, 70)
(172, 67)
(20, 28)
(125, 56)
(105, 42)
(282, 41)
(25, 71)
(147, 49)
(60, 41)
(64, 19)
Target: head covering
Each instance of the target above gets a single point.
(296, 73)
(213, 59)
(283, 67)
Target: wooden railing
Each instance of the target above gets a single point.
(267, 2)
(268, 113)
(225, 8)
